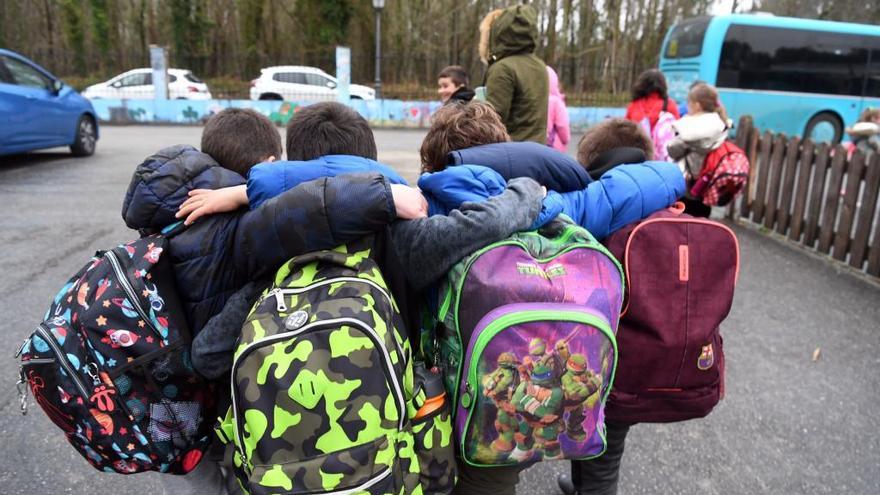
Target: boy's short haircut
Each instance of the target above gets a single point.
(610, 134)
(329, 128)
(239, 138)
(456, 73)
(458, 126)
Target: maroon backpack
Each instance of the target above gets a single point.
(680, 277)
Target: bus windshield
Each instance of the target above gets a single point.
(686, 38)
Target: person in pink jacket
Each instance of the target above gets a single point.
(558, 131)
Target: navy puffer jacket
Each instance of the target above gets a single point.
(219, 254)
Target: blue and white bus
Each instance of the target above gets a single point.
(800, 77)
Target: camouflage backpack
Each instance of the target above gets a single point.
(324, 392)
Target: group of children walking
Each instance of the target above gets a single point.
(238, 230)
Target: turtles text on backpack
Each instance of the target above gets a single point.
(661, 133)
(680, 277)
(110, 365)
(526, 342)
(325, 395)
(724, 174)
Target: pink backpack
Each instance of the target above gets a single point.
(661, 133)
(680, 277)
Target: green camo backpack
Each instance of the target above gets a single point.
(324, 389)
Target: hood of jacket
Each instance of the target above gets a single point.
(553, 82)
(160, 185)
(509, 31)
(705, 130)
(547, 166)
(267, 180)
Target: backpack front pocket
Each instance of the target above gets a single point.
(535, 379)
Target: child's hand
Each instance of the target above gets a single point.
(206, 202)
(409, 202)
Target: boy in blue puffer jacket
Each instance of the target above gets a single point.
(622, 195)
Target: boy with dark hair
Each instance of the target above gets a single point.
(329, 129)
(613, 142)
(452, 85)
(215, 257)
(238, 138)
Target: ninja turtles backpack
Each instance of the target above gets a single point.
(526, 344)
(110, 364)
(325, 395)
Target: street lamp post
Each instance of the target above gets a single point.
(378, 5)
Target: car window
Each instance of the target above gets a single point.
(192, 78)
(290, 77)
(25, 75)
(316, 80)
(138, 79)
(171, 79)
(5, 76)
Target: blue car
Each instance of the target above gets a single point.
(37, 110)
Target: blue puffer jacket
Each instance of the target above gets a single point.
(267, 180)
(550, 168)
(623, 195)
(219, 254)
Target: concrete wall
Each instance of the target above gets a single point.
(380, 113)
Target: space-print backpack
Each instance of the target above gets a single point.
(109, 364)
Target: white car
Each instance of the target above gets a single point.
(138, 84)
(295, 82)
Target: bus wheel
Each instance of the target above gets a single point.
(824, 127)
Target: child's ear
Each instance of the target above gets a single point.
(270, 159)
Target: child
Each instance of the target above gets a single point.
(622, 196)
(217, 256)
(865, 134)
(702, 130)
(452, 85)
(649, 98)
(412, 254)
(611, 143)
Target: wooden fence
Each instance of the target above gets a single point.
(814, 195)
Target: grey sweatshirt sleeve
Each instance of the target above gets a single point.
(428, 247)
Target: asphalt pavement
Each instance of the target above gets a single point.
(788, 425)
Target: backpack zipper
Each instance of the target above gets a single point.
(129, 290)
(44, 333)
(279, 293)
(370, 332)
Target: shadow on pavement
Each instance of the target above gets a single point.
(10, 162)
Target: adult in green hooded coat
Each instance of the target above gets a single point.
(516, 81)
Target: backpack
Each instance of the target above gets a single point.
(661, 132)
(325, 394)
(526, 343)
(110, 364)
(680, 278)
(724, 174)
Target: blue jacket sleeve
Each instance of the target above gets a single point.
(319, 214)
(557, 171)
(447, 190)
(624, 195)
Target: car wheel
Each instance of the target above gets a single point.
(824, 127)
(355, 97)
(86, 137)
(271, 96)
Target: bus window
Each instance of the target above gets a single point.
(686, 39)
(872, 82)
(777, 59)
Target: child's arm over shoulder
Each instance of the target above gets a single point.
(428, 247)
(623, 195)
(319, 214)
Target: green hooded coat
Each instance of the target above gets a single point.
(516, 81)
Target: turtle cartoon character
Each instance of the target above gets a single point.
(539, 355)
(499, 386)
(579, 385)
(539, 403)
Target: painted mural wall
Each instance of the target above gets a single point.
(380, 113)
